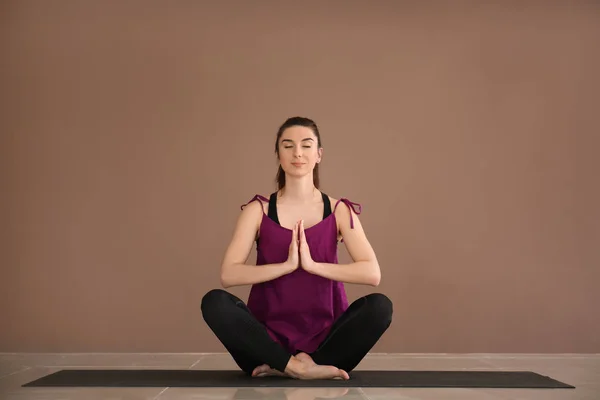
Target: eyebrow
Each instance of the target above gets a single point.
(290, 140)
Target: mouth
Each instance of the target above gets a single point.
(297, 164)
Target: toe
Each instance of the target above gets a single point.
(260, 369)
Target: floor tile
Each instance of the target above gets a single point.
(8, 369)
(583, 392)
(574, 371)
(263, 393)
(99, 359)
(10, 389)
(583, 371)
(431, 363)
(215, 361)
(428, 393)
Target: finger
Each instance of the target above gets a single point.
(303, 232)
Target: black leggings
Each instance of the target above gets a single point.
(351, 337)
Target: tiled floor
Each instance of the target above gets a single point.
(582, 371)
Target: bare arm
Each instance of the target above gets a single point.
(234, 270)
(365, 268)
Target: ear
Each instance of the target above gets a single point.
(320, 152)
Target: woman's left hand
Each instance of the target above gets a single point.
(306, 261)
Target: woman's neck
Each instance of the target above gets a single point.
(299, 190)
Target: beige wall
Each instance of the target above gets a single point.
(132, 133)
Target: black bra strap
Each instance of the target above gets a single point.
(273, 207)
(326, 205)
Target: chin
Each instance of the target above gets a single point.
(290, 169)
(296, 174)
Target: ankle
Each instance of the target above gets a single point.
(295, 367)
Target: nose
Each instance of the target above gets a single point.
(297, 151)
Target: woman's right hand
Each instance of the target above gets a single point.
(293, 260)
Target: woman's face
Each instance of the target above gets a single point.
(299, 151)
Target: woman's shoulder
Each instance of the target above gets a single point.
(349, 205)
(255, 205)
(345, 210)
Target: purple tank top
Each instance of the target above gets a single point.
(298, 309)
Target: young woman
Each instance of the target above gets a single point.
(297, 321)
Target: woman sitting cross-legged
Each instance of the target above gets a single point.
(297, 321)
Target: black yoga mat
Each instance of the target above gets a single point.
(230, 378)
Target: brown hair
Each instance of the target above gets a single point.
(297, 121)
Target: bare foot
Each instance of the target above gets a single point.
(265, 370)
(316, 371)
(305, 358)
(311, 370)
